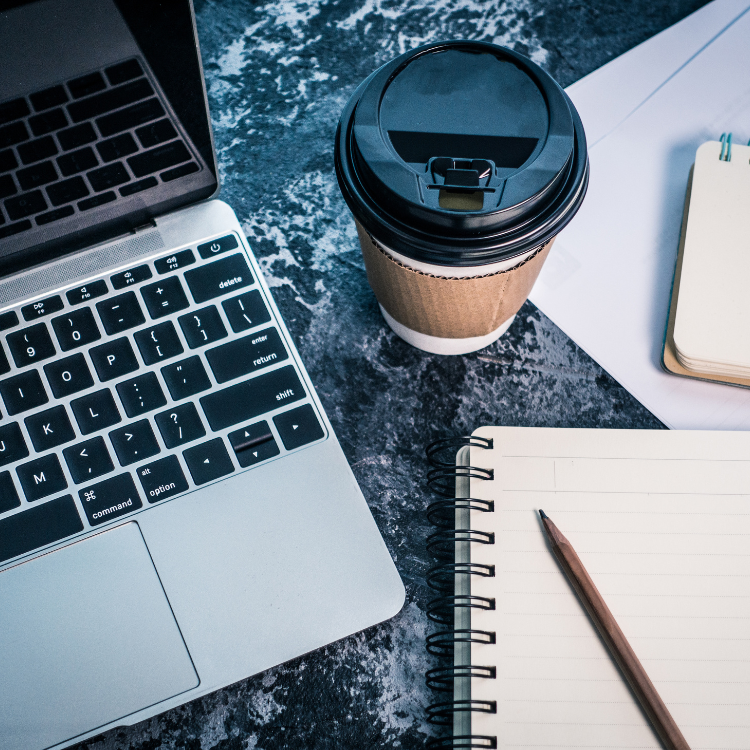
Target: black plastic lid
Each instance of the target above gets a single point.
(461, 153)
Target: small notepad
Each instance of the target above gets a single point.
(661, 520)
(712, 316)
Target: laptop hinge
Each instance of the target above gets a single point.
(151, 224)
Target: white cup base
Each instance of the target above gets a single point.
(437, 345)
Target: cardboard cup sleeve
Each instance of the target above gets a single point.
(444, 306)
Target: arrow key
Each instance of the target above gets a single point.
(253, 444)
(208, 461)
(88, 460)
(298, 427)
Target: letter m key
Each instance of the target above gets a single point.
(38, 479)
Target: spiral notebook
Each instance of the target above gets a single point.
(661, 520)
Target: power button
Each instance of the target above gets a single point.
(217, 247)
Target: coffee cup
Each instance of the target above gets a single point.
(461, 162)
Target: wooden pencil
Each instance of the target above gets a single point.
(618, 645)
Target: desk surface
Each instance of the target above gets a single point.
(278, 75)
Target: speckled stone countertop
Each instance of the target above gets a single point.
(278, 75)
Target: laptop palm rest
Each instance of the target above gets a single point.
(91, 639)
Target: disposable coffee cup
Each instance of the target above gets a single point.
(461, 162)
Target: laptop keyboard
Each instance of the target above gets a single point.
(139, 386)
(84, 143)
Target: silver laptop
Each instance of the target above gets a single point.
(176, 513)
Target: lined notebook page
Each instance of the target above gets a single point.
(661, 520)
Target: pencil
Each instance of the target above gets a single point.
(617, 643)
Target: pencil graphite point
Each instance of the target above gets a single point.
(542, 513)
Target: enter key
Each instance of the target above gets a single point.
(246, 355)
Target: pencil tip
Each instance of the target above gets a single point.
(542, 513)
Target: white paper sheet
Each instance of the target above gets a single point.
(608, 280)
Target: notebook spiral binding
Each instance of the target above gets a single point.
(452, 641)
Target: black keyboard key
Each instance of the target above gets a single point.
(109, 100)
(177, 172)
(77, 136)
(131, 276)
(298, 427)
(77, 161)
(41, 148)
(120, 313)
(246, 311)
(162, 479)
(56, 215)
(130, 117)
(4, 364)
(202, 327)
(67, 191)
(38, 526)
(117, 147)
(216, 247)
(23, 392)
(13, 110)
(141, 394)
(48, 122)
(108, 177)
(164, 297)
(173, 262)
(113, 359)
(42, 477)
(217, 278)
(12, 134)
(124, 71)
(186, 378)
(155, 133)
(86, 85)
(8, 320)
(12, 445)
(97, 200)
(30, 345)
(50, 428)
(95, 411)
(25, 205)
(85, 293)
(11, 229)
(159, 158)
(88, 460)
(75, 329)
(42, 307)
(68, 376)
(51, 97)
(180, 425)
(8, 493)
(7, 186)
(246, 355)
(158, 343)
(110, 499)
(7, 161)
(134, 442)
(253, 444)
(36, 175)
(139, 186)
(245, 401)
(208, 461)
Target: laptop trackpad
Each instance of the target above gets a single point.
(89, 638)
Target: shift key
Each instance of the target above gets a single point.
(217, 278)
(251, 398)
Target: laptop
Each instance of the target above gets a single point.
(176, 513)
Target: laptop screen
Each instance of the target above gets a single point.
(103, 122)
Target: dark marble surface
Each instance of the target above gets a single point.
(278, 75)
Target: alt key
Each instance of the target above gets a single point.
(162, 479)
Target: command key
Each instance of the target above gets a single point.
(110, 499)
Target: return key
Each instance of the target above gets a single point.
(248, 354)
